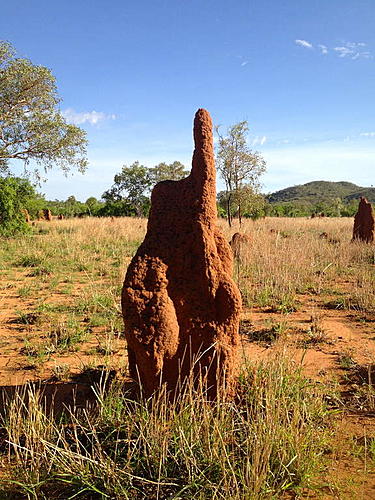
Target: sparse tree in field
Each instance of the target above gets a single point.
(73, 207)
(129, 194)
(93, 205)
(174, 172)
(253, 204)
(238, 165)
(131, 185)
(32, 128)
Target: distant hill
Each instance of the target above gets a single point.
(321, 191)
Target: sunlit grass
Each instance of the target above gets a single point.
(269, 439)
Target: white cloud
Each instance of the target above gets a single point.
(259, 140)
(304, 43)
(91, 117)
(343, 51)
(367, 134)
(350, 50)
(353, 50)
(244, 63)
(354, 45)
(323, 49)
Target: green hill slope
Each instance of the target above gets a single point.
(321, 191)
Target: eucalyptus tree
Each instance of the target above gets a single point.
(238, 165)
(32, 127)
(168, 171)
(131, 185)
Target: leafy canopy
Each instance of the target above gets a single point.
(239, 166)
(130, 191)
(32, 127)
(132, 184)
(163, 171)
(16, 196)
(252, 204)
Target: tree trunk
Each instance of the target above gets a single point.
(229, 217)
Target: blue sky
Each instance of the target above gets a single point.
(133, 73)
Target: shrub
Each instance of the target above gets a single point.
(15, 194)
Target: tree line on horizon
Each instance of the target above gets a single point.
(33, 130)
(129, 196)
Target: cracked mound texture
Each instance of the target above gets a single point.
(180, 305)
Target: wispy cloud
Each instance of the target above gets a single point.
(304, 43)
(320, 140)
(259, 140)
(243, 60)
(91, 117)
(350, 50)
(353, 50)
(323, 49)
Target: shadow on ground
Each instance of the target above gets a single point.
(80, 391)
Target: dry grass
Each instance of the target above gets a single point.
(60, 288)
(288, 258)
(267, 441)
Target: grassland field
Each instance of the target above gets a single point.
(303, 426)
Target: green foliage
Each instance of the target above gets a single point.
(333, 199)
(93, 205)
(65, 336)
(330, 208)
(128, 196)
(32, 127)
(163, 172)
(239, 167)
(71, 207)
(130, 192)
(116, 208)
(321, 192)
(34, 204)
(16, 194)
(289, 209)
(132, 184)
(253, 204)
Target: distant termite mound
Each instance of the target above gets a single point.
(26, 215)
(239, 243)
(45, 214)
(180, 305)
(364, 222)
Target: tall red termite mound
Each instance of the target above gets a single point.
(364, 222)
(180, 305)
